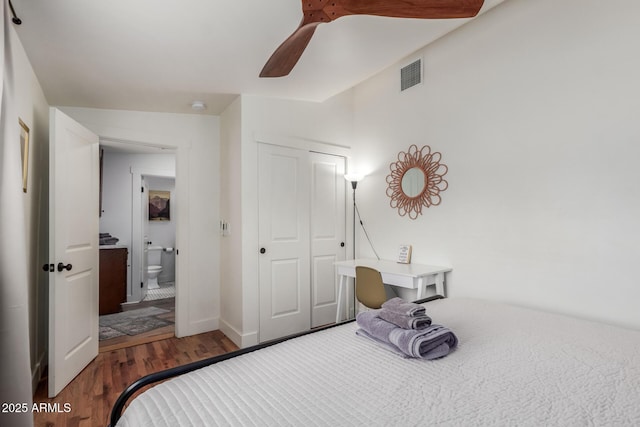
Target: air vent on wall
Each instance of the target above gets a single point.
(411, 75)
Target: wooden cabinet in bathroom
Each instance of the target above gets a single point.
(113, 280)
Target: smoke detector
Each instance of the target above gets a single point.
(198, 106)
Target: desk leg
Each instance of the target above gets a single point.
(421, 288)
(341, 286)
(440, 284)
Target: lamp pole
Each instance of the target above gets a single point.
(354, 184)
(354, 178)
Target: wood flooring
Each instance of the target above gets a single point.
(94, 391)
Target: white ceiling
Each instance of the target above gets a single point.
(160, 55)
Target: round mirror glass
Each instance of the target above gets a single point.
(413, 182)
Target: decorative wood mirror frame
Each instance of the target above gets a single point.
(416, 181)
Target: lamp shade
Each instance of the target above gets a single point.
(354, 177)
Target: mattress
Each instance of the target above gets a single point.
(513, 366)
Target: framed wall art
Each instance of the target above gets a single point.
(159, 205)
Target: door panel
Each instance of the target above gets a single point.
(73, 242)
(285, 198)
(284, 236)
(285, 295)
(323, 273)
(327, 198)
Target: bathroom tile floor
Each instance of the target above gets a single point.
(166, 290)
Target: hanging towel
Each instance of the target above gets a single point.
(429, 343)
(400, 306)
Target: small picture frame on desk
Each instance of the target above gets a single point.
(404, 254)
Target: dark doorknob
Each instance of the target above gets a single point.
(61, 267)
(263, 250)
(49, 267)
(342, 244)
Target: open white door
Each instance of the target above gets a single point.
(73, 249)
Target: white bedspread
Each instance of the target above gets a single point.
(513, 366)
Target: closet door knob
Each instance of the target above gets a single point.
(61, 267)
(263, 250)
(342, 244)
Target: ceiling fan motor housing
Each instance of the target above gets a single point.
(321, 11)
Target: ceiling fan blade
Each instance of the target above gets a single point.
(421, 9)
(288, 53)
(317, 12)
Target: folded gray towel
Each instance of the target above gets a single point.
(432, 342)
(108, 240)
(406, 322)
(400, 306)
(374, 325)
(436, 352)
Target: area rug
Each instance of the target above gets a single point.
(132, 322)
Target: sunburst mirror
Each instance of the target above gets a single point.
(416, 180)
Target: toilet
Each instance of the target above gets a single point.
(154, 268)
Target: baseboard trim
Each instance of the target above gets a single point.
(238, 338)
(37, 371)
(199, 327)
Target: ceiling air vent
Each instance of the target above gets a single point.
(411, 75)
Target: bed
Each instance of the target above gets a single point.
(512, 366)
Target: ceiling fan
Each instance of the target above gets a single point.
(317, 12)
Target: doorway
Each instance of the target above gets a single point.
(129, 173)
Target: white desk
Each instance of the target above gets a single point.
(410, 276)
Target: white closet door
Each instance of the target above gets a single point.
(283, 241)
(327, 234)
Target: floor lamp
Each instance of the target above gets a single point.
(354, 179)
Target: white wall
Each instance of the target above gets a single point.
(534, 107)
(197, 142)
(117, 188)
(231, 310)
(23, 220)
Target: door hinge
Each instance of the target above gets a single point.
(142, 284)
(142, 189)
